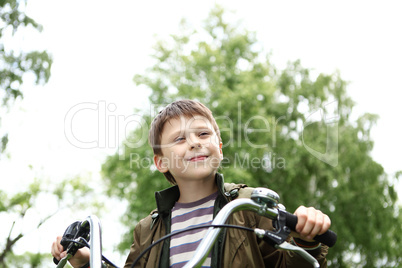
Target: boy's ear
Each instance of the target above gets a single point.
(220, 150)
(160, 164)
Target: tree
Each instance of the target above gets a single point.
(288, 130)
(14, 66)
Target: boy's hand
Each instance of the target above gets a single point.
(80, 258)
(311, 222)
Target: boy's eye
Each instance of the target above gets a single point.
(179, 139)
(204, 133)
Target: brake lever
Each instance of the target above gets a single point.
(63, 261)
(300, 251)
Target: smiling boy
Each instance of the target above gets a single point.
(188, 150)
(189, 155)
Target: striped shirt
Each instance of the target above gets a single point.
(185, 215)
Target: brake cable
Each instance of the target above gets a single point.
(185, 230)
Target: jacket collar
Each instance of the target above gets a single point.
(166, 199)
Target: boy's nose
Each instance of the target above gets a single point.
(196, 145)
(194, 142)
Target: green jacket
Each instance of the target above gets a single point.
(234, 248)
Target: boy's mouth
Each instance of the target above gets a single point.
(198, 158)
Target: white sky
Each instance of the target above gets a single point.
(98, 46)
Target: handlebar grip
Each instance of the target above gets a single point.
(328, 238)
(55, 261)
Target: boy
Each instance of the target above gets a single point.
(188, 150)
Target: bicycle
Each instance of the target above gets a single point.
(263, 201)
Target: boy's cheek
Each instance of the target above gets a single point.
(216, 162)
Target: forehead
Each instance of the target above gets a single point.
(183, 124)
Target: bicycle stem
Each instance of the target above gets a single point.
(95, 241)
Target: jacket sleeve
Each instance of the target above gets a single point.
(135, 249)
(146, 233)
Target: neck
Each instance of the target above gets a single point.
(195, 190)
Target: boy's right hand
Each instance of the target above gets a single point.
(78, 260)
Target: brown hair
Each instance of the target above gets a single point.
(188, 108)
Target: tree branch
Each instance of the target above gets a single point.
(9, 244)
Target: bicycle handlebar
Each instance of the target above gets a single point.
(264, 202)
(268, 200)
(328, 238)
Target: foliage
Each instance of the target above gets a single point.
(35, 260)
(288, 130)
(67, 194)
(14, 64)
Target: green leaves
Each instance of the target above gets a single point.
(12, 16)
(14, 65)
(19, 202)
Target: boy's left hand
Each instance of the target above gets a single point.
(311, 222)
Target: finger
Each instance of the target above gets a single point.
(326, 224)
(305, 220)
(309, 223)
(63, 254)
(301, 214)
(55, 250)
(59, 246)
(317, 225)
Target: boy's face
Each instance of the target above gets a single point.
(190, 149)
